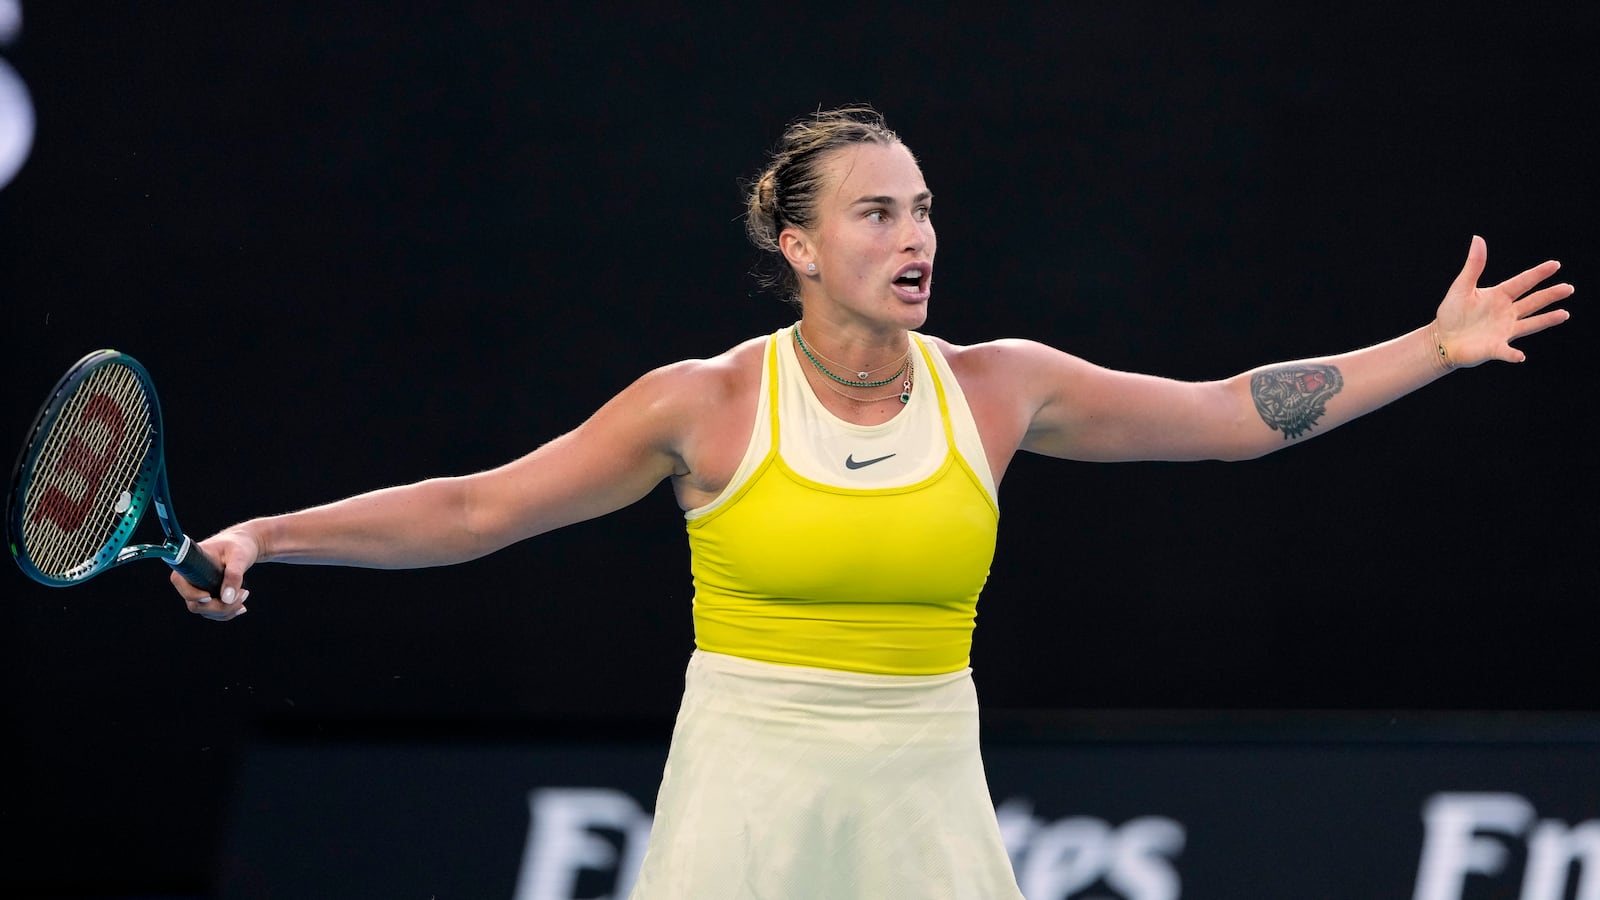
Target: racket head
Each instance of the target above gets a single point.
(88, 470)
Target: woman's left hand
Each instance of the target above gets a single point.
(1476, 324)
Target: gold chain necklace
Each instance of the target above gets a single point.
(815, 355)
(905, 387)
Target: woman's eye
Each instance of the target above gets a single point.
(876, 216)
(922, 213)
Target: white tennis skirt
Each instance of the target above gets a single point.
(791, 782)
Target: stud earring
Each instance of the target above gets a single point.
(811, 267)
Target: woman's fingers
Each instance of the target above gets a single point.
(1520, 284)
(217, 611)
(1538, 300)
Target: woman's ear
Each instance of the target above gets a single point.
(798, 250)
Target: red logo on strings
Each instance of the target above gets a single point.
(91, 465)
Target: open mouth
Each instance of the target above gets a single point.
(914, 278)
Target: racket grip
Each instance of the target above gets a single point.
(197, 567)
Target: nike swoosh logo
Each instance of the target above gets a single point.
(850, 461)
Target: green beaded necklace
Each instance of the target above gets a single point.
(801, 342)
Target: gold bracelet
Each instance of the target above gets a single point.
(1444, 354)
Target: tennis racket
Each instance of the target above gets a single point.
(92, 464)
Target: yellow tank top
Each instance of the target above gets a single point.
(798, 570)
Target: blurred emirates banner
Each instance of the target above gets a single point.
(1438, 813)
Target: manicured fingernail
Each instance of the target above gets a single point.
(241, 612)
(243, 596)
(228, 596)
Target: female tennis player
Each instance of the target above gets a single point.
(839, 481)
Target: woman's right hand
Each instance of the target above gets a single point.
(235, 550)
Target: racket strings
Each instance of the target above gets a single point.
(90, 458)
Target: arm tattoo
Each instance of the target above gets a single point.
(1291, 399)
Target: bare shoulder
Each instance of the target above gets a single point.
(691, 385)
(671, 407)
(708, 408)
(1001, 364)
(1003, 382)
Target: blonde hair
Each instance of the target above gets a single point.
(785, 193)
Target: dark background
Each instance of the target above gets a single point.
(358, 246)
